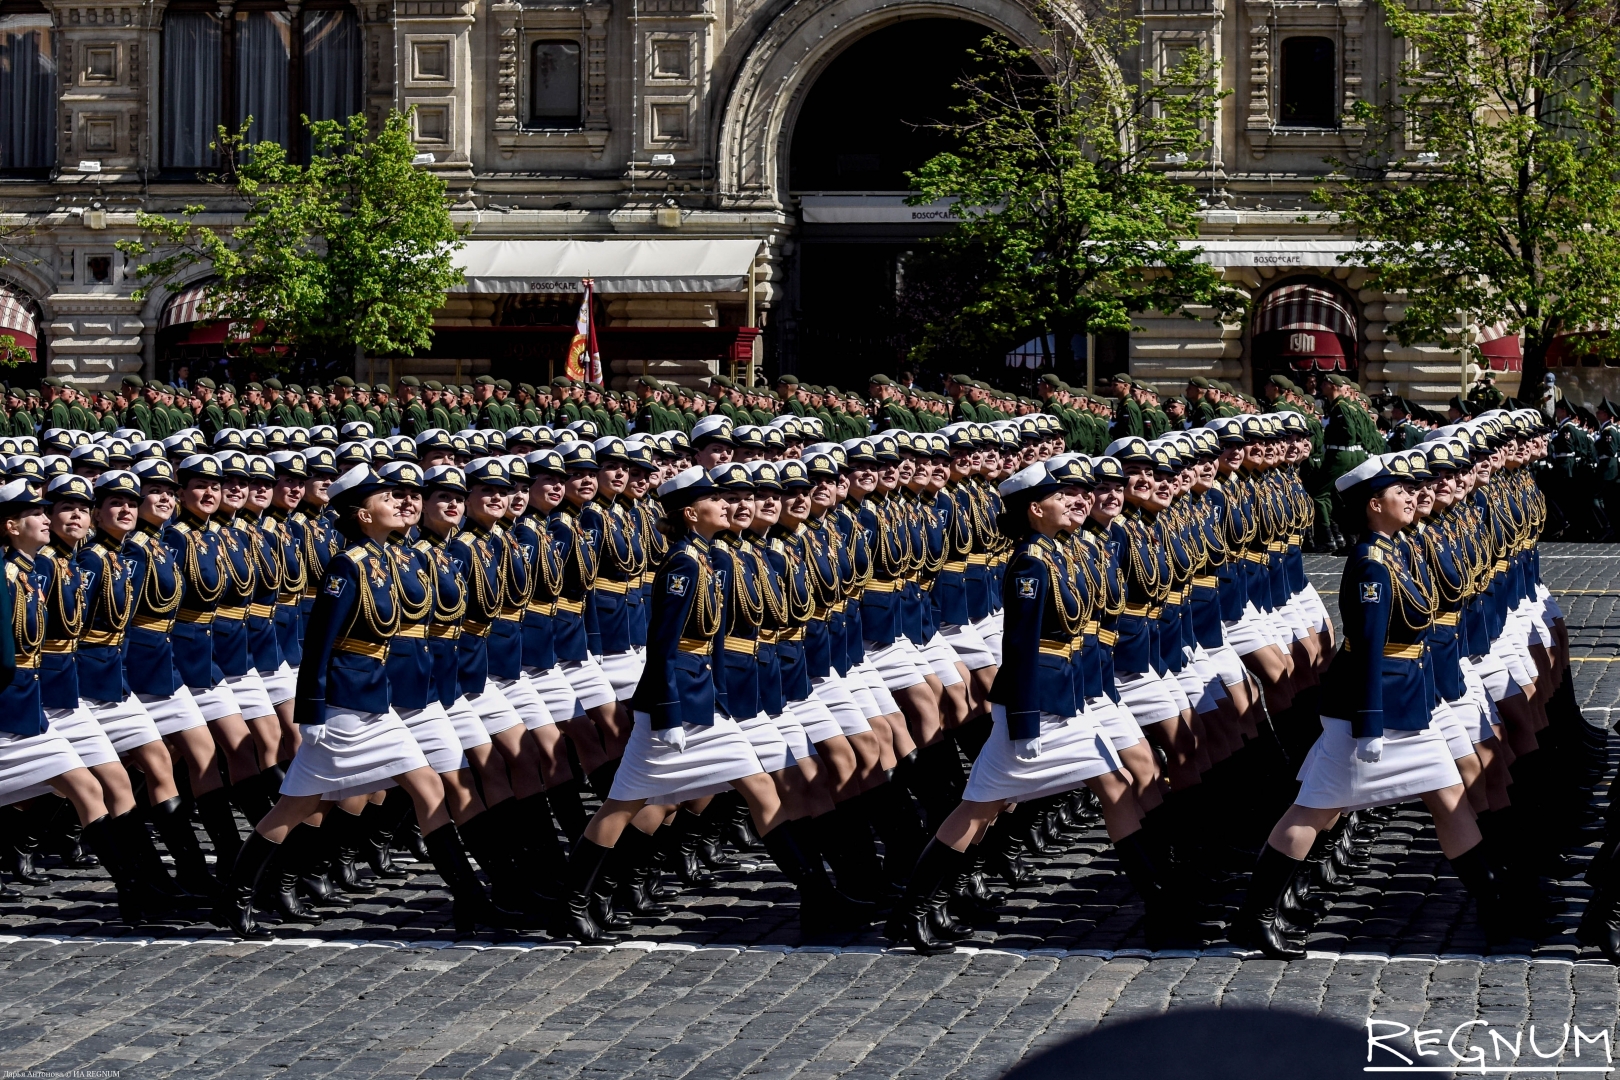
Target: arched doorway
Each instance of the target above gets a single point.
(871, 116)
(1305, 327)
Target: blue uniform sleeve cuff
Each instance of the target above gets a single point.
(1024, 725)
(1369, 724)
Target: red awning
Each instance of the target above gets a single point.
(1305, 350)
(1579, 348)
(185, 309)
(1305, 307)
(1501, 348)
(17, 320)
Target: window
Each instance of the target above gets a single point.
(1309, 83)
(191, 87)
(209, 81)
(554, 83)
(27, 91)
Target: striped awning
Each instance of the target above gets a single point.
(17, 317)
(1305, 307)
(185, 306)
(1501, 348)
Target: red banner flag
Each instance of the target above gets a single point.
(584, 358)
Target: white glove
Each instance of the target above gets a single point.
(1027, 749)
(672, 737)
(1370, 750)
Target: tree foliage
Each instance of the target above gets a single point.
(353, 250)
(1489, 184)
(1067, 206)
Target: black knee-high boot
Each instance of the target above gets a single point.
(255, 795)
(1002, 846)
(822, 908)
(1256, 925)
(24, 829)
(491, 839)
(137, 902)
(607, 886)
(537, 852)
(472, 907)
(318, 877)
(716, 816)
(910, 923)
(1473, 869)
(687, 838)
(600, 781)
(173, 821)
(937, 781)
(296, 853)
(235, 909)
(1516, 878)
(568, 809)
(1166, 922)
(847, 842)
(635, 854)
(893, 816)
(382, 819)
(219, 822)
(135, 841)
(1600, 922)
(348, 838)
(575, 921)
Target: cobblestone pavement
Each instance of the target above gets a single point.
(717, 990)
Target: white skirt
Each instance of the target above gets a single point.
(1480, 696)
(522, 696)
(1492, 672)
(591, 687)
(252, 699)
(1316, 615)
(1226, 663)
(1193, 686)
(1115, 722)
(281, 684)
(881, 701)
(898, 664)
(353, 753)
(555, 692)
(766, 738)
(470, 730)
(713, 757)
(1248, 634)
(794, 735)
(176, 712)
(989, 629)
(80, 729)
(494, 711)
(1514, 649)
(435, 734)
(623, 671)
(1073, 750)
(1148, 696)
(835, 695)
(942, 659)
(29, 762)
(126, 723)
(970, 646)
(215, 704)
(1412, 762)
(817, 721)
(1453, 725)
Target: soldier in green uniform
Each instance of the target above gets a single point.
(528, 411)
(1202, 411)
(1606, 442)
(1127, 410)
(438, 416)
(567, 412)
(1572, 457)
(135, 414)
(413, 418)
(382, 400)
(212, 417)
(1484, 395)
(58, 411)
(787, 388)
(234, 417)
(298, 405)
(1342, 451)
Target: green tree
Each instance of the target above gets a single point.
(1069, 209)
(352, 251)
(1488, 185)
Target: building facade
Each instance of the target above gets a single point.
(662, 132)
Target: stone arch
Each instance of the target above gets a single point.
(795, 47)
